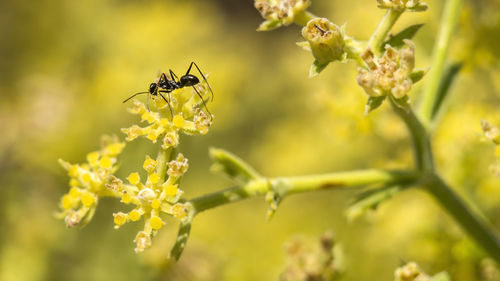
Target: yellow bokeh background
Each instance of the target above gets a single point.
(66, 67)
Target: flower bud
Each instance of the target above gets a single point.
(326, 40)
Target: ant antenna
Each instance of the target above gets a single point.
(201, 73)
(134, 96)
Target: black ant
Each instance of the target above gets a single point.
(164, 85)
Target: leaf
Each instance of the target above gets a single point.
(316, 68)
(449, 76)
(370, 200)
(403, 103)
(269, 25)
(304, 45)
(182, 237)
(373, 103)
(232, 166)
(396, 41)
(417, 75)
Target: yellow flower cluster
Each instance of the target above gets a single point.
(411, 5)
(389, 74)
(151, 198)
(279, 12)
(182, 113)
(87, 182)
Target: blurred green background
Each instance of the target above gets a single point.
(66, 66)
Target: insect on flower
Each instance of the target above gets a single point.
(165, 85)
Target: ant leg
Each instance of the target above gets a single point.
(134, 96)
(172, 74)
(201, 73)
(163, 78)
(147, 102)
(204, 104)
(169, 106)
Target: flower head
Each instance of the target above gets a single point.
(279, 12)
(390, 75)
(326, 40)
(151, 197)
(87, 182)
(410, 5)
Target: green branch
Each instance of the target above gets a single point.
(384, 27)
(436, 74)
(420, 139)
(481, 232)
(292, 185)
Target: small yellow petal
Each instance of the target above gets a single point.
(73, 171)
(120, 218)
(154, 178)
(74, 192)
(115, 148)
(152, 136)
(66, 202)
(134, 178)
(74, 182)
(179, 211)
(164, 122)
(134, 215)
(178, 121)
(86, 178)
(92, 157)
(155, 204)
(105, 162)
(170, 190)
(88, 199)
(149, 164)
(126, 198)
(156, 223)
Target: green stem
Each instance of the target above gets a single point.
(430, 94)
(479, 231)
(162, 159)
(385, 25)
(294, 185)
(420, 139)
(303, 18)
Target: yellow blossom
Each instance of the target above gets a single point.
(156, 222)
(134, 178)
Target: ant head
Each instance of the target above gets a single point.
(152, 88)
(189, 80)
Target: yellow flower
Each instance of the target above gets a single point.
(152, 198)
(88, 182)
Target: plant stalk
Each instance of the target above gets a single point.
(436, 74)
(481, 232)
(384, 27)
(300, 184)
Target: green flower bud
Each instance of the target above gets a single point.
(325, 39)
